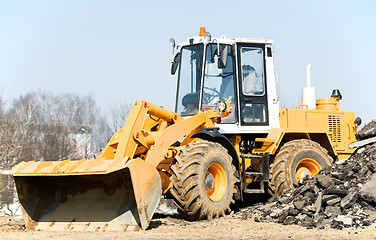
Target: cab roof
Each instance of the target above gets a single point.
(224, 40)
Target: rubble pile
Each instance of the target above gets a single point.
(368, 131)
(340, 196)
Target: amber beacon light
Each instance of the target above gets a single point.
(202, 31)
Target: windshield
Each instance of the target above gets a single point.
(189, 80)
(219, 83)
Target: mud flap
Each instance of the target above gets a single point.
(118, 201)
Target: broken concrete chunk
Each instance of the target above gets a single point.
(335, 191)
(305, 188)
(299, 204)
(371, 215)
(349, 200)
(325, 181)
(316, 189)
(332, 211)
(293, 211)
(290, 220)
(276, 213)
(284, 200)
(318, 202)
(334, 201)
(329, 197)
(369, 187)
(367, 198)
(369, 130)
(345, 220)
(310, 208)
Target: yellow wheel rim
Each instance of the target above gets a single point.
(306, 167)
(215, 182)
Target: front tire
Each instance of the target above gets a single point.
(203, 181)
(295, 160)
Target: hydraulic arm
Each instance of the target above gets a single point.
(118, 190)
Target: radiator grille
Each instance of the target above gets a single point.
(335, 128)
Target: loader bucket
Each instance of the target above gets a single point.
(119, 200)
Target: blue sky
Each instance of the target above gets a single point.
(118, 51)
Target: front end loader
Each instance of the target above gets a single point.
(117, 191)
(227, 138)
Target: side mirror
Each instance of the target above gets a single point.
(223, 55)
(175, 63)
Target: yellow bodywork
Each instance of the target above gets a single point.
(118, 190)
(327, 125)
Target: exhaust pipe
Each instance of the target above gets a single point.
(309, 93)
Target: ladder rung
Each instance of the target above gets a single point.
(251, 156)
(254, 191)
(254, 174)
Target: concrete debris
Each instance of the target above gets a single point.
(369, 187)
(346, 221)
(340, 196)
(368, 131)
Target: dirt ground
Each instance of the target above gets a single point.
(172, 227)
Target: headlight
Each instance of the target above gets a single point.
(222, 106)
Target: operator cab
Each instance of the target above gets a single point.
(210, 70)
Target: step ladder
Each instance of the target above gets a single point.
(263, 173)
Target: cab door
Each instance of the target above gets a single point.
(252, 85)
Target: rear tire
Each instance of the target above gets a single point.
(296, 159)
(203, 181)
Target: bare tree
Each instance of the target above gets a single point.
(53, 122)
(119, 114)
(43, 126)
(8, 153)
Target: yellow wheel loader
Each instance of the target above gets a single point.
(227, 137)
